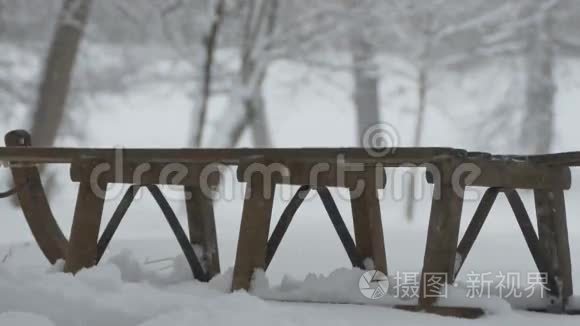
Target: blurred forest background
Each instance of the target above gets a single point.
(58, 56)
(486, 75)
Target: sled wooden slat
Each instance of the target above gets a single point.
(231, 156)
(394, 157)
(570, 159)
(152, 173)
(513, 174)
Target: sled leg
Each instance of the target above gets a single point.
(254, 229)
(532, 241)
(368, 227)
(82, 249)
(553, 237)
(442, 237)
(202, 229)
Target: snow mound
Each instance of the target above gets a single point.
(122, 292)
(343, 287)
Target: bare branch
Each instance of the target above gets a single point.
(210, 44)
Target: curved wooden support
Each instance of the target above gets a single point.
(34, 203)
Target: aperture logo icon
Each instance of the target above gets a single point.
(373, 284)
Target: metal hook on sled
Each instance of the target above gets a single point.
(15, 188)
(8, 193)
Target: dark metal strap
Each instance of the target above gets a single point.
(192, 259)
(116, 220)
(14, 190)
(284, 223)
(531, 238)
(524, 223)
(474, 228)
(196, 267)
(335, 217)
(340, 227)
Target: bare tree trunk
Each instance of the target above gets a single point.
(419, 125)
(253, 115)
(255, 106)
(58, 67)
(260, 130)
(422, 106)
(365, 94)
(538, 122)
(258, 24)
(2, 9)
(235, 126)
(210, 45)
(237, 131)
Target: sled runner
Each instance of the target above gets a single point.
(451, 171)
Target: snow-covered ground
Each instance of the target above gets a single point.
(132, 288)
(126, 290)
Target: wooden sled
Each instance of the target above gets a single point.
(547, 175)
